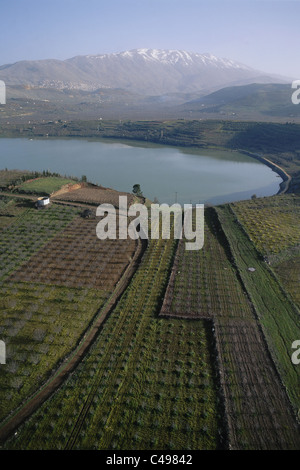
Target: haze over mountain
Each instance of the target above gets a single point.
(142, 71)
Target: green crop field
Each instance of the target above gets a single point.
(11, 209)
(40, 325)
(28, 231)
(37, 321)
(46, 303)
(273, 224)
(44, 186)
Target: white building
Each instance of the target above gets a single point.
(42, 201)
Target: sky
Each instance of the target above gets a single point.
(263, 34)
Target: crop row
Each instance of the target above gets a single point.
(203, 282)
(276, 313)
(29, 233)
(273, 223)
(76, 257)
(207, 284)
(146, 382)
(40, 325)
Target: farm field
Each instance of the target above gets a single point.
(277, 314)
(206, 284)
(28, 230)
(75, 257)
(40, 326)
(273, 224)
(44, 186)
(288, 272)
(11, 208)
(93, 195)
(203, 283)
(193, 352)
(147, 382)
(47, 304)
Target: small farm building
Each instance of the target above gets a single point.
(42, 202)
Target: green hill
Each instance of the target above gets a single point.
(272, 100)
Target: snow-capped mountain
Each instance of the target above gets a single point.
(172, 57)
(143, 71)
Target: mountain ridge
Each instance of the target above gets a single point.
(142, 71)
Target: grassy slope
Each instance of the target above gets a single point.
(44, 186)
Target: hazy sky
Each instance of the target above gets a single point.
(263, 34)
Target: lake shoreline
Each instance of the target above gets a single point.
(164, 171)
(285, 184)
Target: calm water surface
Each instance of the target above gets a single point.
(170, 174)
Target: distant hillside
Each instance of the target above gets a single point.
(264, 99)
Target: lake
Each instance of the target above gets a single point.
(167, 173)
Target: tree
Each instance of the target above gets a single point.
(137, 190)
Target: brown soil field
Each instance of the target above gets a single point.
(91, 194)
(258, 411)
(77, 258)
